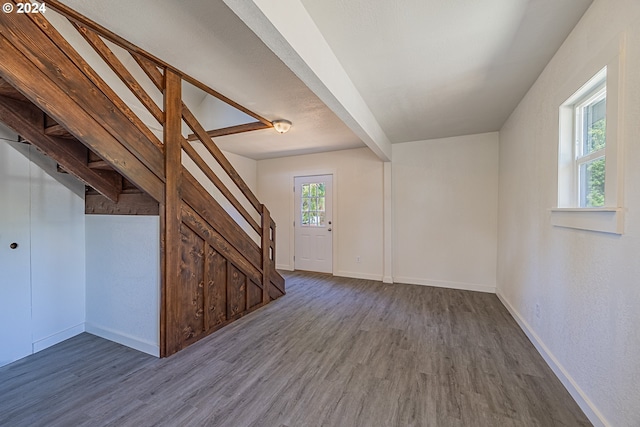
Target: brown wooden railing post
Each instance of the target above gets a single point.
(266, 261)
(170, 339)
(273, 243)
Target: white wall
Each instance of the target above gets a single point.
(247, 168)
(586, 284)
(123, 280)
(56, 248)
(358, 207)
(57, 259)
(445, 201)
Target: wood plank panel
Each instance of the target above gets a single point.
(199, 199)
(219, 244)
(254, 294)
(277, 284)
(216, 302)
(23, 74)
(191, 290)
(236, 291)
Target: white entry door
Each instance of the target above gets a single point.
(15, 281)
(313, 223)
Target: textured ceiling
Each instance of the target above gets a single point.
(425, 68)
(433, 68)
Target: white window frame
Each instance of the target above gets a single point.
(594, 95)
(604, 70)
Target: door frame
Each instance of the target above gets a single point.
(334, 212)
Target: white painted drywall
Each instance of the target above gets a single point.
(56, 249)
(123, 280)
(586, 284)
(247, 168)
(57, 259)
(445, 205)
(358, 207)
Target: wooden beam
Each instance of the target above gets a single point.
(76, 17)
(197, 128)
(50, 50)
(9, 91)
(58, 131)
(127, 204)
(121, 71)
(204, 167)
(232, 130)
(58, 102)
(172, 340)
(27, 120)
(99, 164)
(266, 246)
(150, 69)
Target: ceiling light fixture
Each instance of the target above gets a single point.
(282, 126)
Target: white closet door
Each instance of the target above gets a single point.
(15, 282)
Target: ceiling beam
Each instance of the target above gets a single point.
(288, 30)
(231, 130)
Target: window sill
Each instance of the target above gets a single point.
(604, 220)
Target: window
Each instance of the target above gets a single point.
(589, 155)
(312, 204)
(590, 136)
(582, 146)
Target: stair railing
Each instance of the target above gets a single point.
(171, 117)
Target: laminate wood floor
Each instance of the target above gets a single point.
(332, 352)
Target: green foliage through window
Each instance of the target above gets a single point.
(312, 207)
(594, 175)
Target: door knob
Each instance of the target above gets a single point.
(13, 245)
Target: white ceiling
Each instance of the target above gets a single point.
(423, 68)
(432, 68)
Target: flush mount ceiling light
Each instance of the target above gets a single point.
(281, 126)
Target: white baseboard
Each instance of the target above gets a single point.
(589, 409)
(58, 337)
(285, 267)
(445, 284)
(353, 275)
(124, 339)
(387, 279)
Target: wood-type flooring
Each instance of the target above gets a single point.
(332, 352)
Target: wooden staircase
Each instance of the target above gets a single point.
(213, 270)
